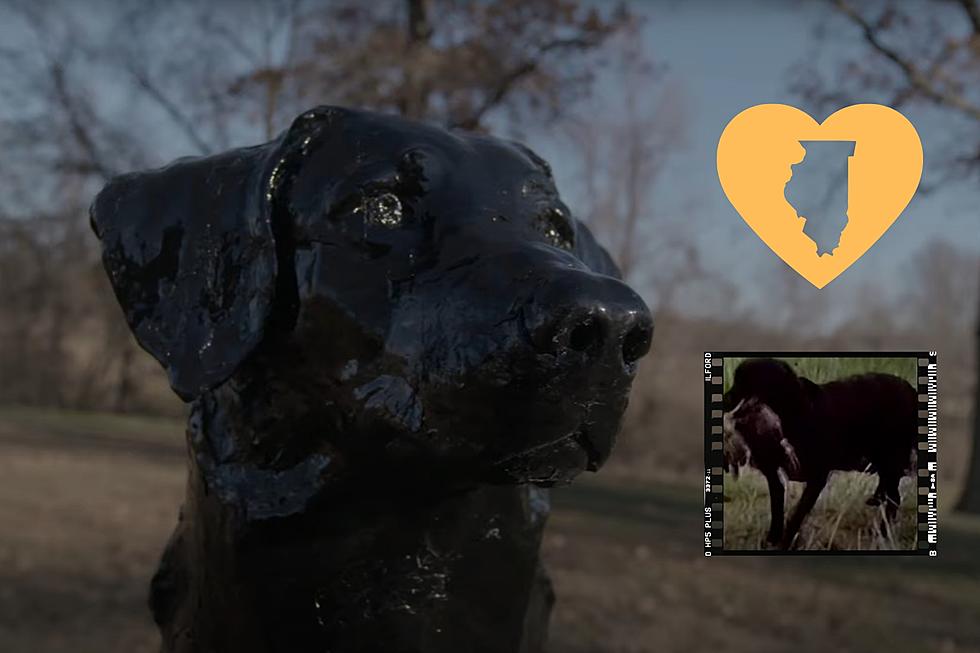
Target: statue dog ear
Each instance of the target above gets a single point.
(191, 252)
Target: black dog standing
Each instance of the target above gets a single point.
(866, 422)
(393, 338)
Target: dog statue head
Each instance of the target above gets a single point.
(384, 293)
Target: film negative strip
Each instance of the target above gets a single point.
(928, 453)
(820, 453)
(714, 457)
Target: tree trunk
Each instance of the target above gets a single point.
(124, 388)
(970, 498)
(414, 96)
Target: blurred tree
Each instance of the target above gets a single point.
(623, 147)
(910, 54)
(901, 55)
(451, 61)
(87, 94)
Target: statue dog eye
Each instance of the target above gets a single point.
(384, 209)
(554, 226)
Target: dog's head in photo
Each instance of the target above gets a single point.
(774, 383)
(405, 297)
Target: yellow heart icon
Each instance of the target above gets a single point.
(757, 156)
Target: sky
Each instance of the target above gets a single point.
(727, 57)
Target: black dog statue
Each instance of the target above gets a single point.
(866, 423)
(395, 338)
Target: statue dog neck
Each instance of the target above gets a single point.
(303, 558)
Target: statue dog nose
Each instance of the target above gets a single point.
(597, 316)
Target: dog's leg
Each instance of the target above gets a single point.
(776, 501)
(878, 496)
(888, 485)
(812, 491)
(888, 488)
(890, 468)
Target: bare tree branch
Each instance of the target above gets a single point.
(972, 10)
(76, 123)
(233, 40)
(173, 111)
(916, 79)
(507, 82)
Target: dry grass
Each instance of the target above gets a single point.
(630, 577)
(87, 502)
(840, 520)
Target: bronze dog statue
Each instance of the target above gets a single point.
(394, 338)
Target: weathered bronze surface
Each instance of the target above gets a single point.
(395, 338)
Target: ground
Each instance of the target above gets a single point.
(841, 519)
(87, 501)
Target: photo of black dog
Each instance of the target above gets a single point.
(791, 428)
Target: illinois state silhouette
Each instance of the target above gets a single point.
(818, 191)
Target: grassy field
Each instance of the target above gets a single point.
(822, 370)
(840, 519)
(87, 502)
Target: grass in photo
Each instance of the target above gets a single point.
(840, 520)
